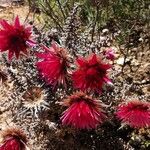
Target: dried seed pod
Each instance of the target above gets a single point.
(35, 101)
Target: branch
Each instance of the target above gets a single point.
(59, 4)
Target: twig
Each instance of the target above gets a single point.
(27, 15)
(93, 31)
(59, 4)
(53, 16)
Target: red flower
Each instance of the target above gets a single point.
(13, 139)
(15, 38)
(109, 53)
(83, 112)
(91, 75)
(135, 113)
(53, 66)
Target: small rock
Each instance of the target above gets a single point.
(105, 30)
(120, 61)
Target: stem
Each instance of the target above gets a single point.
(93, 31)
(59, 4)
(52, 15)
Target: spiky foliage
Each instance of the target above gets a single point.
(3, 75)
(6, 99)
(70, 36)
(31, 96)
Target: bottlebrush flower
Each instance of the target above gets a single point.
(84, 112)
(53, 66)
(109, 54)
(15, 38)
(135, 113)
(91, 74)
(13, 139)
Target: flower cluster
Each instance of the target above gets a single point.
(88, 75)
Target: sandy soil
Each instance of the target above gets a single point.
(9, 11)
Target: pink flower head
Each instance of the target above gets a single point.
(54, 64)
(83, 112)
(15, 38)
(91, 74)
(13, 139)
(109, 54)
(135, 113)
